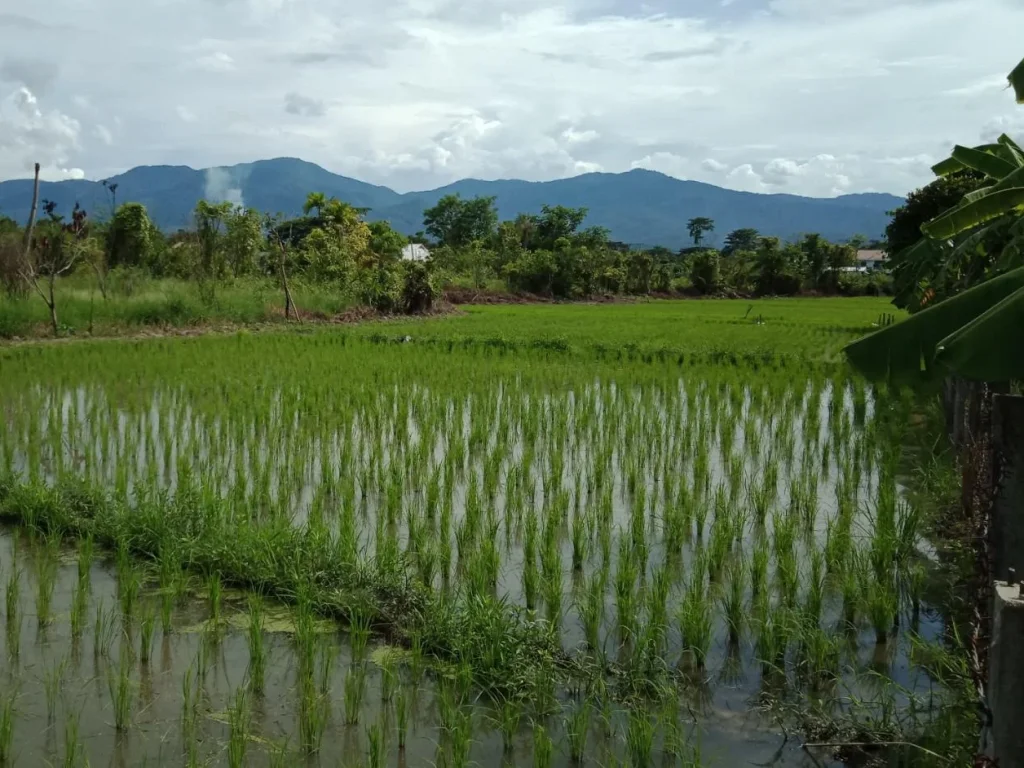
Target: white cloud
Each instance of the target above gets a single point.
(217, 61)
(30, 135)
(572, 136)
(1012, 125)
(416, 93)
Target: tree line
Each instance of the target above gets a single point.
(550, 253)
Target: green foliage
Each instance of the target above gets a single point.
(418, 288)
(904, 350)
(741, 240)
(382, 286)
(698, 227)
(131, 238)
(384, 241)
(244, 243)
(323, 257)
(456, 223)
(704, 270)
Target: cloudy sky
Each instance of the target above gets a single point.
(816, 97)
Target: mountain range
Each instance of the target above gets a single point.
(639, 207)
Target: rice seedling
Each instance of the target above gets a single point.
(12, 628)
(8, 713)
(213, 593)
(314, 713)
(148, 627)
(402, 717)
(359, 631)
(377, 746)
(694, 619)
(733, 606)
(119, 684)
(543, 748)
(460, 738)
(640, 732)
(190, 698)
(355, 688)
(673, 740)
(104, 628)
(257, 649)
(577, 729)
(53, 682)
(75, 754)
(239, 722)
(79, 606)
(510, 713)
(46, 579)
(86, 549)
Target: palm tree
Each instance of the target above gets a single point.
(979, 333)
(698, 226)
(315, 201)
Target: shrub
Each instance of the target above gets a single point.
(704, 271)
(381, 286)
(418, 287)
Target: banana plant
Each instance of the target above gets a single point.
(978, 333)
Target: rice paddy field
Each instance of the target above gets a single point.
(659, 534)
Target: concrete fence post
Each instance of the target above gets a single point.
(1006, 675)
(1006, 530)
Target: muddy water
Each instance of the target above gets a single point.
(64, 687)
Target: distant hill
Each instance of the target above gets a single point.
(638, 207)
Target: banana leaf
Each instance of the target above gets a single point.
(1016, 152)
(973, 213)
(906, 351)
(1016, 79)
(985, 162)
(990, 347)
(947, 166)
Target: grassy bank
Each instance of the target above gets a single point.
(146, 303)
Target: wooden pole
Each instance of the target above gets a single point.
(32, 214)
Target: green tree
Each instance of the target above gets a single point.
(741, 240)
(554, 223)
(315, 201)
(774, 268)
(815, 251)
(455, 222)
(210, 219)
(698, 227)
(838, 257)
(704, 270)
(130, 237)
(243, 240)
(914, 278)
(385, 242)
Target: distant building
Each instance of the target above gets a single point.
(869, 261)
(415, 252)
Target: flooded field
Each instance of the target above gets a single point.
(251, 550)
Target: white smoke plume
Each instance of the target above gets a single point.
(220, 187)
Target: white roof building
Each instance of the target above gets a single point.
(415, 252)
(869, 260)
